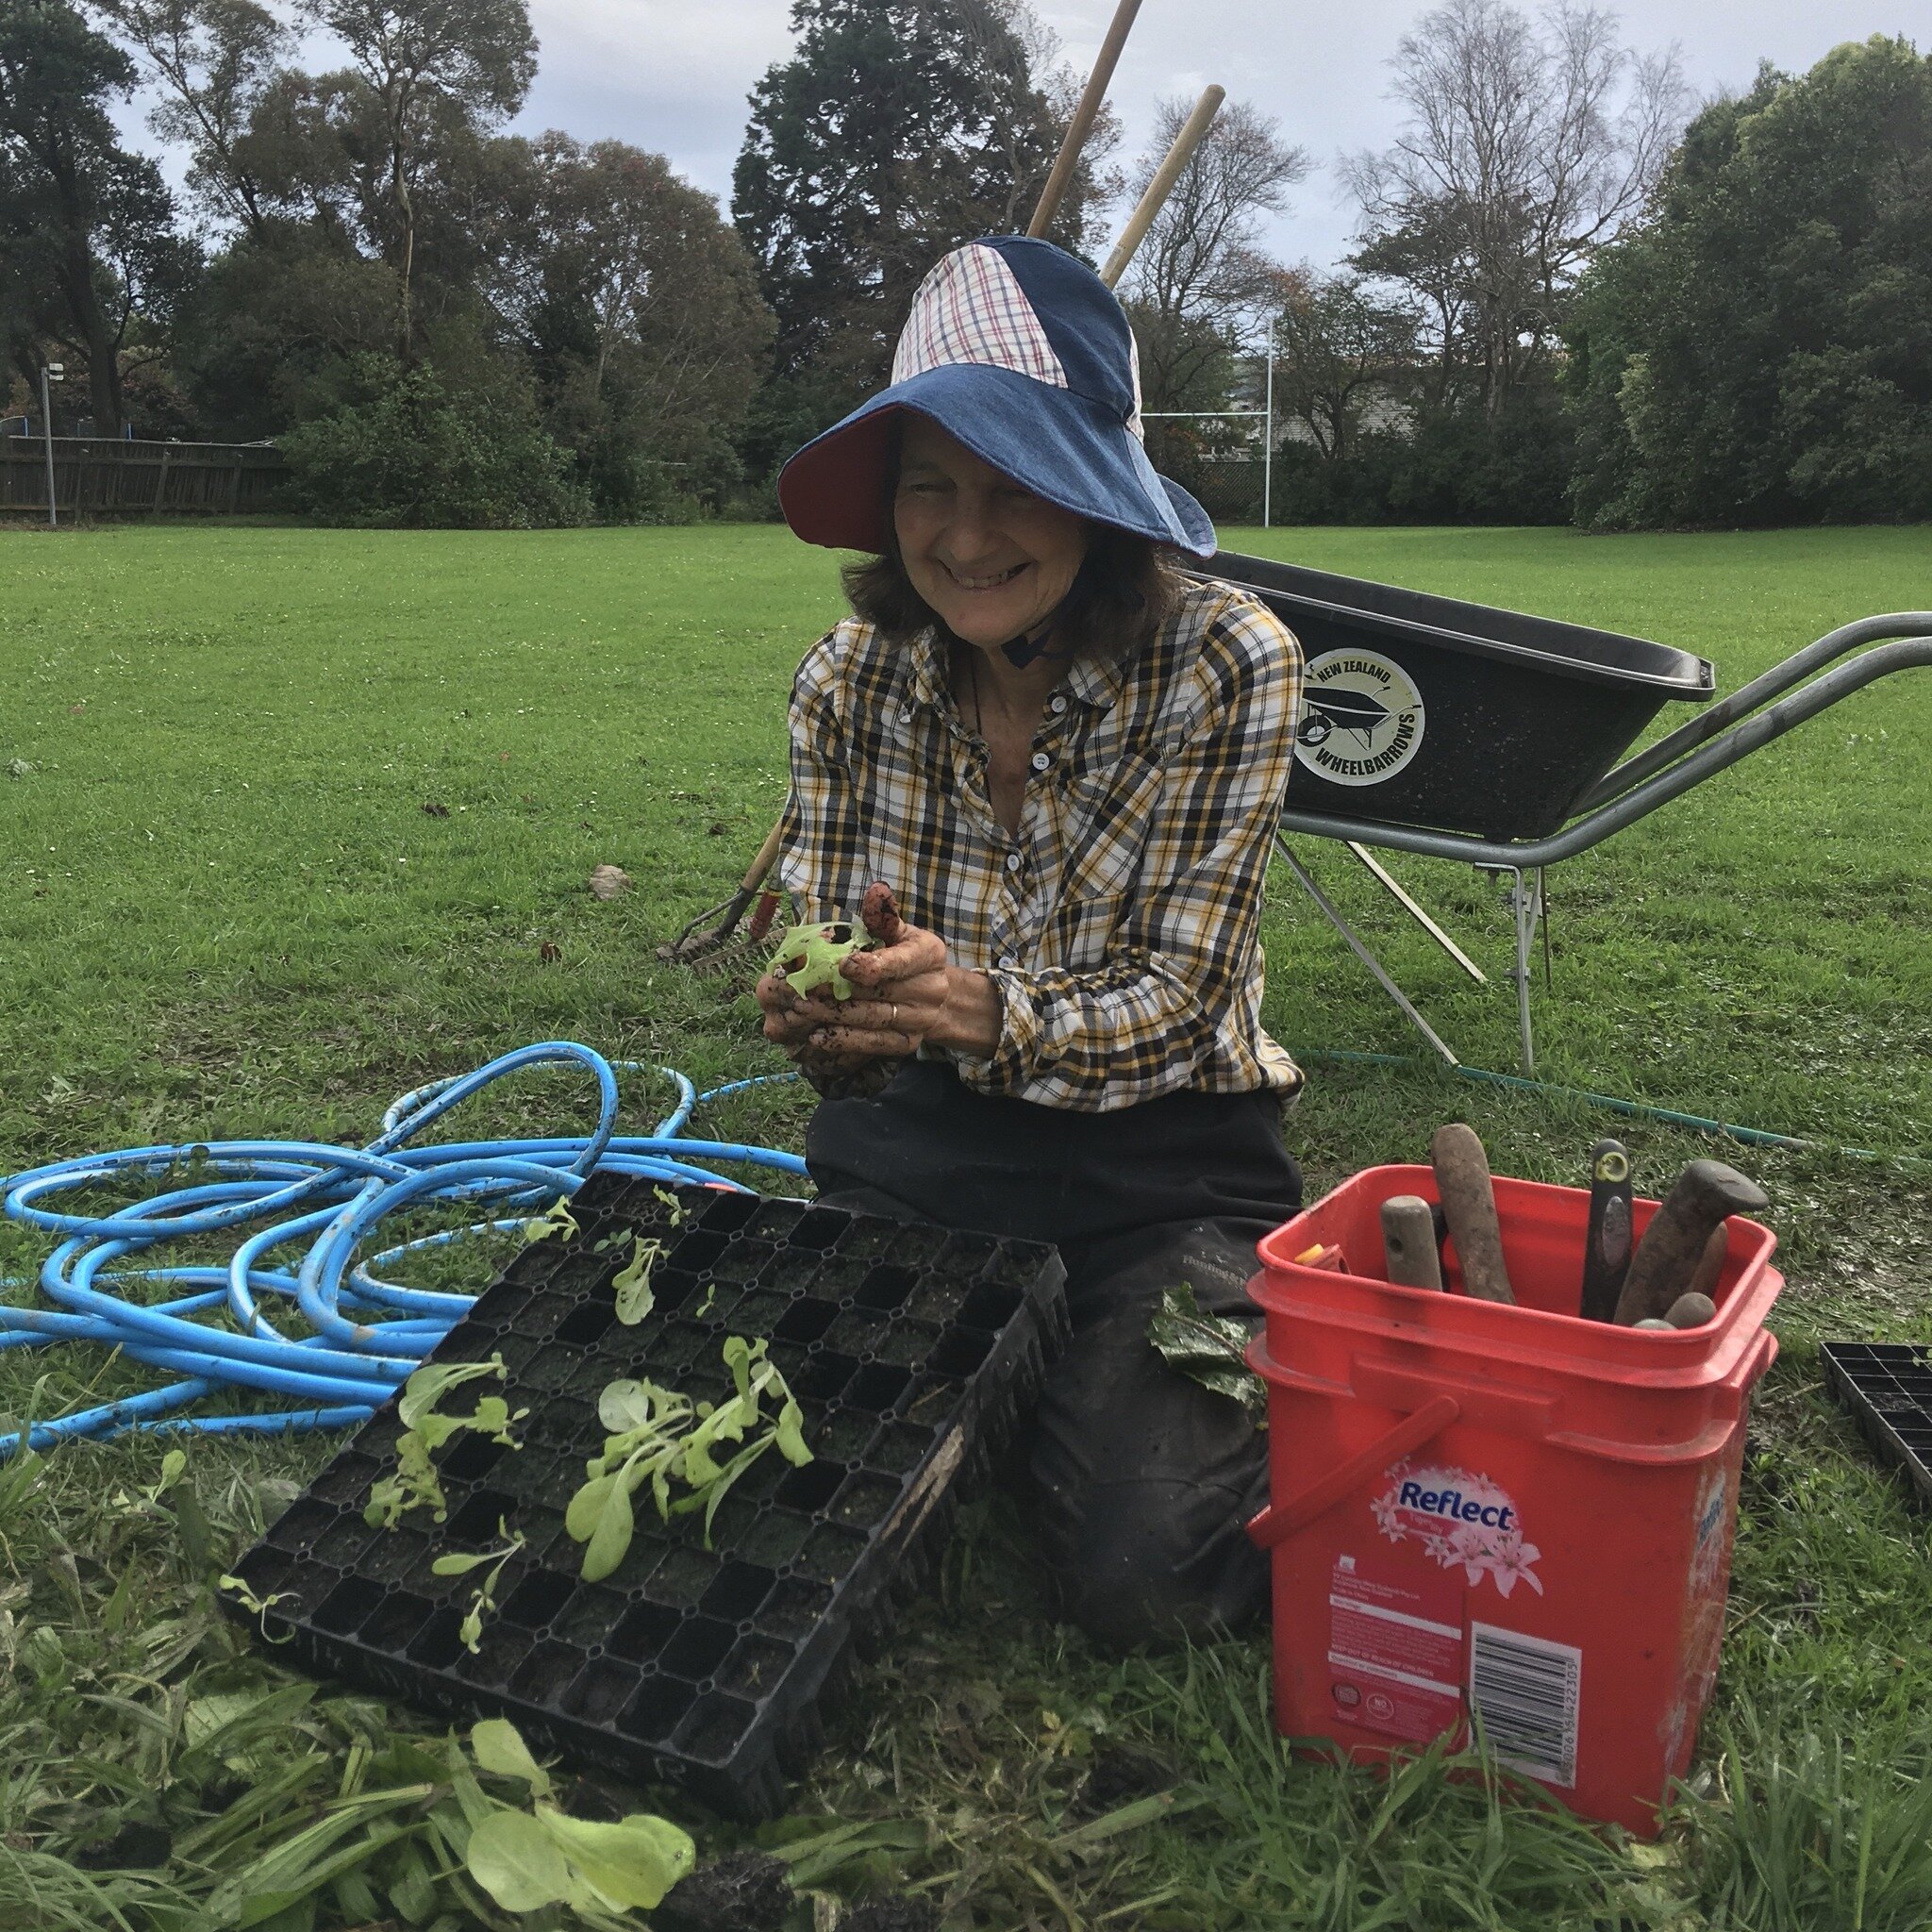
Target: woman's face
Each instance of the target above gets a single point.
(990, 558)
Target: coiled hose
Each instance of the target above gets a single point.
(326, 1202)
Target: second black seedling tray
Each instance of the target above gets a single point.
(1888, 1388)
(911, 1350)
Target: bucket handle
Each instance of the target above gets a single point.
(1280, 1521)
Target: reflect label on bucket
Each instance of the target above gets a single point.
(1361, 719)
(1394, 1650)
(1459, 1518)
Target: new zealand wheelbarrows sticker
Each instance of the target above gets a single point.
(1361, 719)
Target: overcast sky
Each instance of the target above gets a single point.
(673, 74)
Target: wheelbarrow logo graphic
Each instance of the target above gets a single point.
(1361, 719)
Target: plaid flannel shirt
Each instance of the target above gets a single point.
(1121, 924)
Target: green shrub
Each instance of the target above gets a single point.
(400, 450)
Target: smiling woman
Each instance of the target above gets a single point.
(1068, 760)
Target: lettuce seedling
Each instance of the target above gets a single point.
(659, 1436)
(810, 955)
(484, 1598)
(414, 1485)
(635, 1297)
(528, 1860)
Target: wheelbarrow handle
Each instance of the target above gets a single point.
(1748, 697)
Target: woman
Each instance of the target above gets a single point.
(1068, 761)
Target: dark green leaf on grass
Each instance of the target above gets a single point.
(1208, 1349)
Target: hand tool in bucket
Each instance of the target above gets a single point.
(703, 944)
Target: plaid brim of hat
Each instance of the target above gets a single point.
(1020, 352)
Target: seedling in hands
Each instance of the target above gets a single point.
(659, 1436)
(809, 957)
(485, 1597)
(414, 1485)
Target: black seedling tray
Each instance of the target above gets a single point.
(1888, 1388)
(912, 1351)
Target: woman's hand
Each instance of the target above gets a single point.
(904, 993)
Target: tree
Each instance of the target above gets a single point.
(898, 129)
(1337, 347)
(640, 309)
(1527, 146)
(428, 69)
(215, 61)
(93, 248)
(1760, 348)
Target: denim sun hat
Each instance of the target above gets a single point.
(1020, 352)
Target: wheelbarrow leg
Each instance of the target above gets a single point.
(1526, 910)
(1362, 953)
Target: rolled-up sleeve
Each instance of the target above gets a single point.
(1153, 1018)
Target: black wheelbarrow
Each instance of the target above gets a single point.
(1453, 730)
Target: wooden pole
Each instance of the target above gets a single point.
(162, 482)
(1178, 155)
(1081, 125)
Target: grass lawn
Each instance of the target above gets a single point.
(225, 912)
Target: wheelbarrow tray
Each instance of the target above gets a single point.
(1423, 711)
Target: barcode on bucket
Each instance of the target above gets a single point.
(1524, 1690)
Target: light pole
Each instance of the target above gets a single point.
(50, 371)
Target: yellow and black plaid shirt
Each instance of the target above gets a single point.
(1122, 925)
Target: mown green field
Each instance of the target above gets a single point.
(225, 912)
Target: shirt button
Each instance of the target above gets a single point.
(1057, 706)
(1008, 962)
(1012, 861)
(1041, 762)
(906, 715)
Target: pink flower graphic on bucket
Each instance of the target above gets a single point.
(1460, 1519)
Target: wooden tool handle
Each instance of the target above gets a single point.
(1665, 1260)
(768, 852)
(1408, 1243)
(1081, 125)
(1178, 155)
(1462, 1179)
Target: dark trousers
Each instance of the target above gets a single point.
(1142, 1479)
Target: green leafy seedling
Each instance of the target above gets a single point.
(558, 1220)
(674, 1207)
(414, 1484)
(659, 1438)
(811, 956)
(484, 1599)
(528, 1860)
(635, 1298)
(1207, 1349)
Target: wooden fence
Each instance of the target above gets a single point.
(96, 475)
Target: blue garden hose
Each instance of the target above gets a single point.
(364, 1334)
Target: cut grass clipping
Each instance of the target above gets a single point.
(660, 1437)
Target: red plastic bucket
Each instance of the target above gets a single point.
(1504, 1509)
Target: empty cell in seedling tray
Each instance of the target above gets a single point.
(844, 1435)
(907, 1343)
(593, 1611)
(829, 1552)
(857, 1331)
(900, 1449)
(862, 1500)
(700, 1665)
(544, 1675)
(641, 1634)
(601, 1690)
(753, 1667)
(796, 1609)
